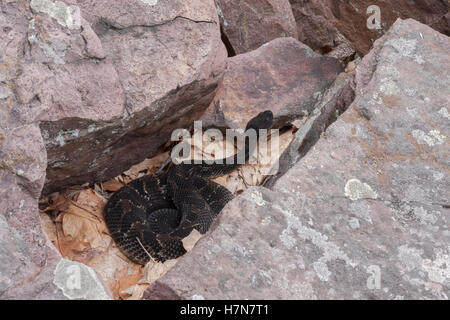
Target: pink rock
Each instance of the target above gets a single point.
(26, 259)
(321, 23)
(364, 214)
(105, 79)
(86, 90)
(249, 24)
(283, 75)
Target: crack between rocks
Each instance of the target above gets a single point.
(311, 131)
(110, 25)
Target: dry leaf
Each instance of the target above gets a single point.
(147, 166)
(191, 240)
(127, 278)
(112, 185)
(154, 270)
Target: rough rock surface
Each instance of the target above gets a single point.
(323, 23)
(364, 214)
(249, 24)
(28, 261)
(104, 78)
(332, 103)
(282, 75)
(23, 250)
(81, 84)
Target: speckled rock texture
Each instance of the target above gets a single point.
(364, 214)
(331, 103)
(249, 24)
(322, 23)
(81, 84)
(282, 75)
(28, 261)
(24, 253)
(102, 78)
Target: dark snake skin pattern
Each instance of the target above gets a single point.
(151, 215)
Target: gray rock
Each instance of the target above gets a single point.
(27, 258)
(81, 86)
(247, 25)
(283, 75)
(364, 214)
(103, 79)
(335, 25)
(78, 281)
(332, 102)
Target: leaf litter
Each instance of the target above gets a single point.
(73, 218)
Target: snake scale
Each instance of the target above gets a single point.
(149, 217)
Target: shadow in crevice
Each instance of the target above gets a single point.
(230, 50)
(327, 110)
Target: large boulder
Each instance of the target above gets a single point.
(86, 90)
(247, 25)
(30, 266)
(104, 80)
(282, 75)
(325, 24)
(364, 214)
(332, 103)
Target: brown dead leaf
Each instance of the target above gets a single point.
(112, 185)
(154, 270)
(127, 278)
(70, 248)
(137, 291)
(91, 202)
(79, 224)
(147, 166)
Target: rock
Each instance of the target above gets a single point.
(341, 50)
(26, 260)
(22, 164)
(78, 281)
(364, 214)
(322, 23)
(283, 75)
(332, 103)
(87, 90)
(247, 25)
(103, 80)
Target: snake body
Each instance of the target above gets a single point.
(149, 217)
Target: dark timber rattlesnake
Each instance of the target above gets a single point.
(152, 214)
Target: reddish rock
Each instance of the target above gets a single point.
(283, 75)
(105, 79)
(323, 22)
(27, 259)
(86, 90)
(23, 251)
(29, 262)
(364, 214)
(168, 57)
(332, 103)
(249, 24)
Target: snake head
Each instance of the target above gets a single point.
(262, 121)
